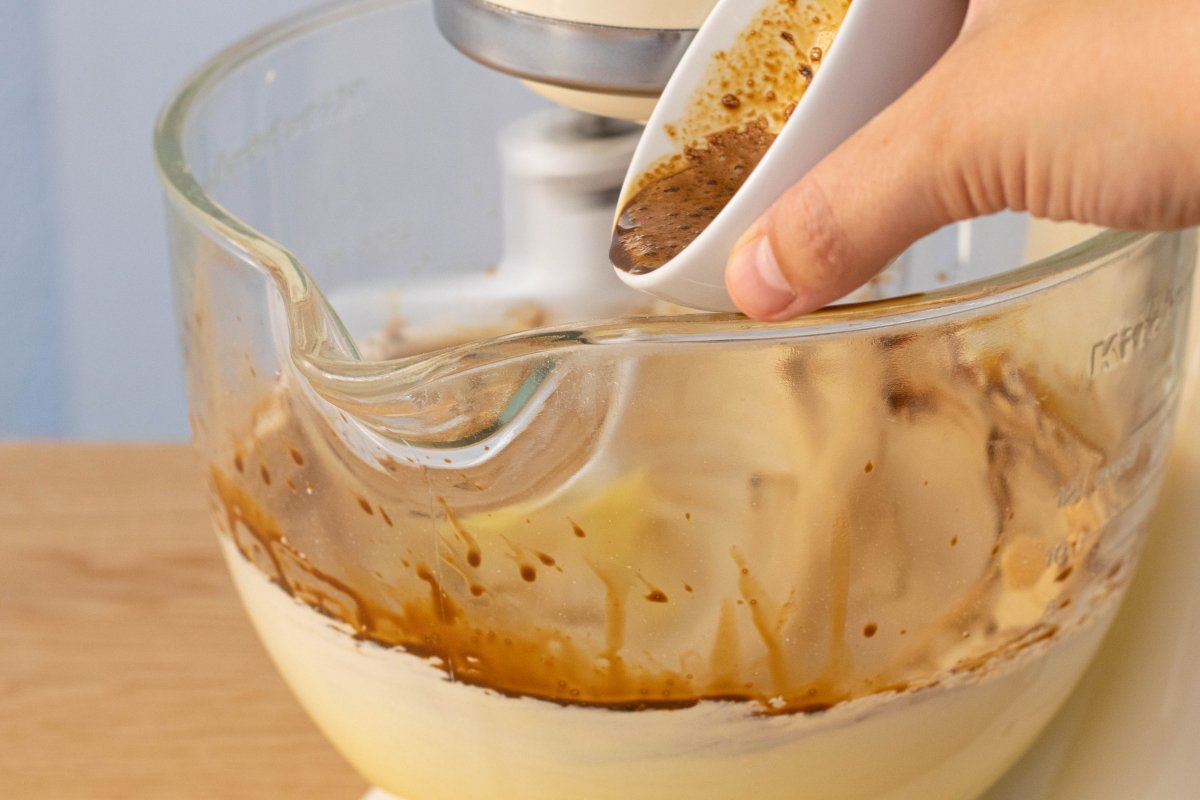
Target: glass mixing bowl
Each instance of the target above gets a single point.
(498, 552)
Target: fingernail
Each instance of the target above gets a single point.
(756, 282)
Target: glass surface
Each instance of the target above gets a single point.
(862, 555)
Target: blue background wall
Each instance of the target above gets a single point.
(87, 340)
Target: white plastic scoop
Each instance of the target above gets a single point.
(881, 49)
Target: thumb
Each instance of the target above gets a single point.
(864, 204)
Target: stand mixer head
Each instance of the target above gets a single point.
(605, 57)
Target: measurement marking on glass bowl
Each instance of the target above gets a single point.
(1129, 341)
(330, 107)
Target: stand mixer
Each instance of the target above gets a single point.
(577, 561)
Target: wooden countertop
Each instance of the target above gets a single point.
(128, 669)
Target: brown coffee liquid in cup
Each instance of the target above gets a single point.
(671, 211)
(747, 96)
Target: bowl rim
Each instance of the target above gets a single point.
(330, 350)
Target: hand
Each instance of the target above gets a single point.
(1087, 110)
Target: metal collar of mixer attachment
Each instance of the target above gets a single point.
(573, 55)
